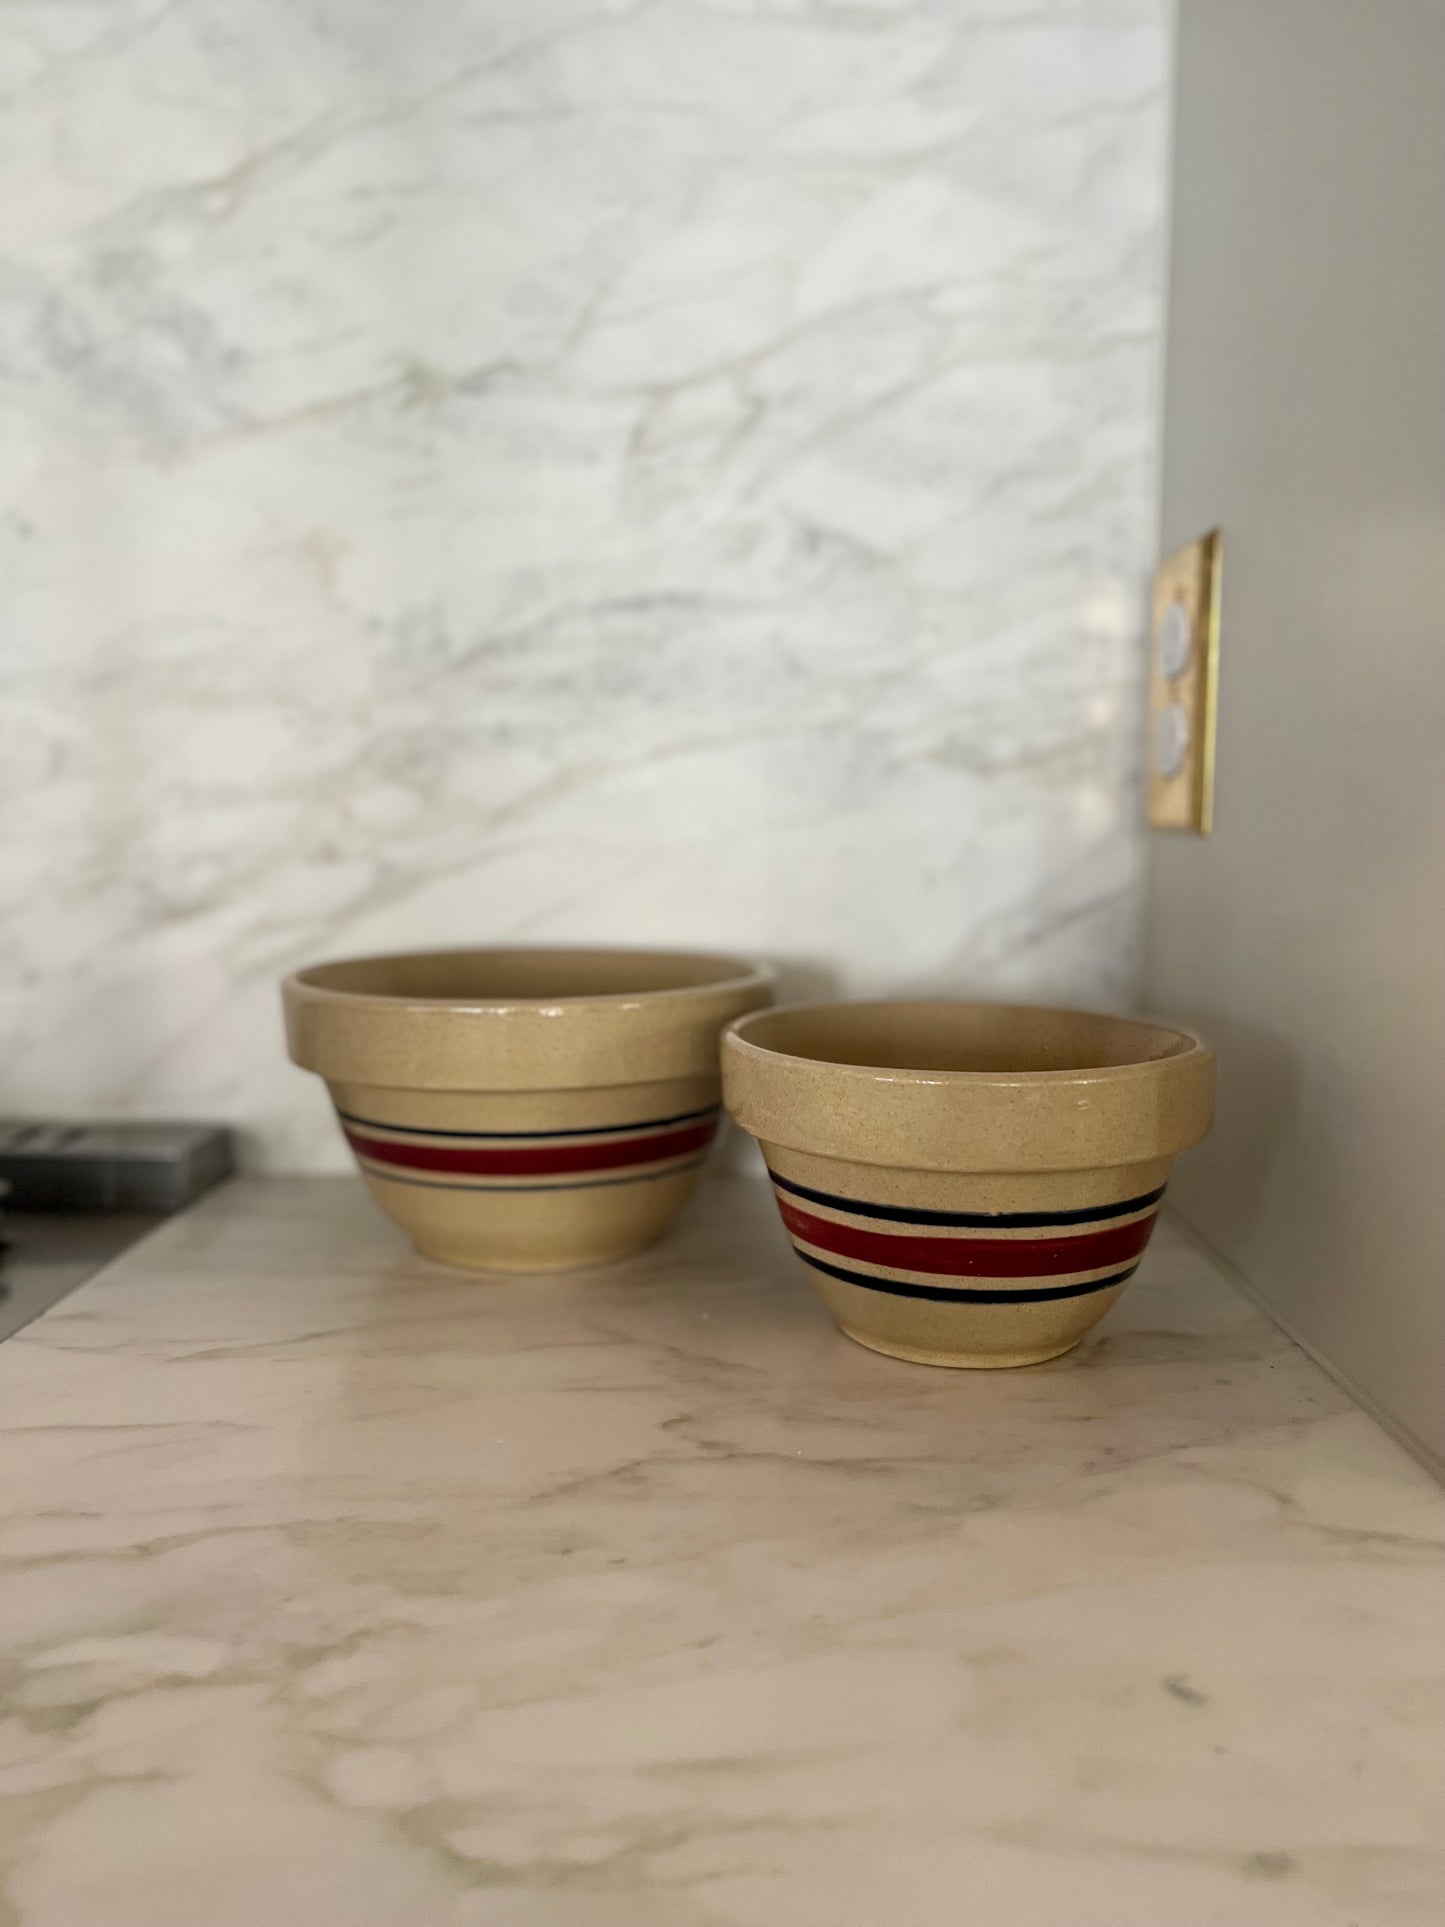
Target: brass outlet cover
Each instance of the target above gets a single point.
(1183, 677)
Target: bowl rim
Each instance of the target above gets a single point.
(972, 1121)
(1186, 1045)
(733, 973)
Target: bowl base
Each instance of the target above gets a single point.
(499, 1269)
(958, 1361)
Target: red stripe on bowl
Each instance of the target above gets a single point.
(972, 1257)
(536, 1160)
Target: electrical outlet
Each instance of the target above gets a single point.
(1183, 673)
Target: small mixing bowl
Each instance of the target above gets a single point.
(524, 1110)
(968, 1184)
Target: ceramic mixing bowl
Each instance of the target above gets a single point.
(524, 1110)
(968, 1184)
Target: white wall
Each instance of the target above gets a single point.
(523, 468)
(1305, 411)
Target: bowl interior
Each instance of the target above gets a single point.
(523, 976)
(988, 1039)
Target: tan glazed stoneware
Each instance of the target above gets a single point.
(524, 1110)
(968, 1184)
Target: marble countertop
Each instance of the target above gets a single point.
(336, 1588)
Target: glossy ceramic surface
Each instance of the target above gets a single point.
(524, 1110)
(968, 1184)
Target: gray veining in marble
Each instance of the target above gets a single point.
(340, 1588)
(553, 469)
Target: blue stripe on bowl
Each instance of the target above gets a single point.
(957, 1295)
(985, 1220)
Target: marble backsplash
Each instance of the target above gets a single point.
(561, 469)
